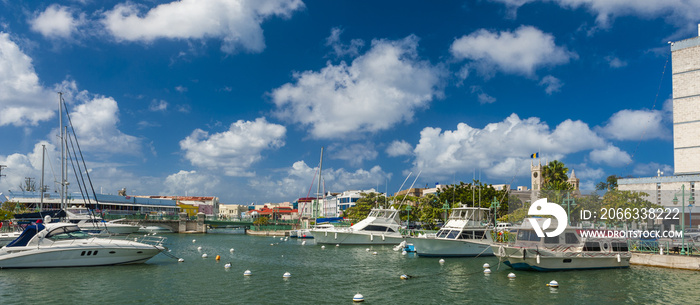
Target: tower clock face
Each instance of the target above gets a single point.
(534, 175)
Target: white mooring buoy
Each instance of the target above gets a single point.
(287, 275)
(227, 266)
(511, 275)
(204, 255)
(367, 249)
(487, 271)
(194, 240)
(374, 253)
(358, 298)
(441, 261)
(486, 266)
(553, 284)
(303, 242)
(199, 248)
(323, 247)
(247, 273)
(337, 245)
(231, 250)
(181, 260)
(404, 252)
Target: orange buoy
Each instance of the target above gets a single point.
(218, 257)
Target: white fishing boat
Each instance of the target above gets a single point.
(63, 244)
(95, 225)
(381, 227)
(567, 251)
(464, 234)
(7, 237)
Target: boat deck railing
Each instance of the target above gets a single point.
(144, 239)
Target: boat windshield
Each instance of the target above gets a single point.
(68, 232)
(527, 235)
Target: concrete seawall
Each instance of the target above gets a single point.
(268, 233)
(666, 261)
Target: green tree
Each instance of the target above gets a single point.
(554, 172)
(364, 205)
(261, 221)
(609, 184)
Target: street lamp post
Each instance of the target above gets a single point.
(691, 202)
(675, 202)
(495, 205)
(569, 202)
(408, 218)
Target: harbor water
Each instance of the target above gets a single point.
(331, 275)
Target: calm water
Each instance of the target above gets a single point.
(331, 276)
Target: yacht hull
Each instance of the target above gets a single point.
(433, 247)
(77, 257)
(519, 259)
(356, 238)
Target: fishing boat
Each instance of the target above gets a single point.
(567, 251)
(62, 244)
(464, 234)
(95, 225)
(381, 227)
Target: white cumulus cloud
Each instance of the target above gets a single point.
(56, 21)
(355, 153)
(678, 12)
(399, 148)
(295, 181)
(379, 89)
(23, 100)
(501, 148)
(236, 22)
(611, 155)
(235, 150)
(522, 51)
(96, 124)
(190, 183)
(635, 125)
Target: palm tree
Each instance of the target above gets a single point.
(555, 172)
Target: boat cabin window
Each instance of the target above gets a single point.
(453, 234)
(571, 238)
(551, 240)
(620, 247)
(69, 232)
(378, 228)
(527, 235)
(591, 246)
(472, 235)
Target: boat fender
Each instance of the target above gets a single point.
(524, 253)
(371, 237)
(538, 259)
(336, 235)
(618, 258)
(382, 236)
(326, 234)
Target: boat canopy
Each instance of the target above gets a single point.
(329, 219)
(26, 235)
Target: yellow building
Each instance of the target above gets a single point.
(190, 209)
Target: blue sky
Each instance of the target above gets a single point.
(236, 98)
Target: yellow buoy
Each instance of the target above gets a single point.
(218, 257)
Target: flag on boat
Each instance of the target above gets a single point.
(535, 156)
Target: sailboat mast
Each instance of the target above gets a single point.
(63, 152)
(41, 187)
(318, 189)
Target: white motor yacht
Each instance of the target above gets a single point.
(381, 227)
(65, 245)
(464, 234)
(95, 225)
(567, 251)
